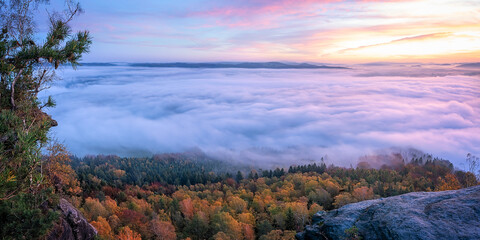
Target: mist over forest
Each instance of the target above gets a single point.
(271, 117)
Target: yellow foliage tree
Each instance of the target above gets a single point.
(247, 218)
(300, 213)
(110, 205)
(224, 222)
(58, 172)
(93, 209)
(314, 208)
(237, 204)
(343, 199)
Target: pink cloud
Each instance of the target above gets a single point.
(262, 13)
(251, 8)
(261, 7)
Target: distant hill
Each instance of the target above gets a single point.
(470, 65)
(268, 65)
(99, 64)
(252, 65)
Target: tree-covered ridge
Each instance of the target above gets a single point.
(172, 169)
(120, 195)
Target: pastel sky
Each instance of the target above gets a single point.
(332, 31)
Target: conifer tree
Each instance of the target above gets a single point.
(27, 67)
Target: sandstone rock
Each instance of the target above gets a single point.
(73, 226)
(420, 215)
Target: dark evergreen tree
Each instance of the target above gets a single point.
(264, 227)
(289, 220)
(239, 176)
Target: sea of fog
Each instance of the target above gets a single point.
(270, 116)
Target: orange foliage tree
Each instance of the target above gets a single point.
(449, 183)
(103, 228)
(187, 208)
(163, 230)
(363, 193)
(127, 234)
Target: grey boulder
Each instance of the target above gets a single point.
(72, 226)
(419, 215)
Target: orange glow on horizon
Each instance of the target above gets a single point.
(336, 31)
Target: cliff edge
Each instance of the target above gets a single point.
(419, 215)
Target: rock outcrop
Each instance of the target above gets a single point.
(72, 226)
(419, 215)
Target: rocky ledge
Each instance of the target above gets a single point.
(420, 215)
(72, 226)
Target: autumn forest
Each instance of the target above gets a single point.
(190, 196)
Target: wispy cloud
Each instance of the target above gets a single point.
(325, 30)
(405, 39)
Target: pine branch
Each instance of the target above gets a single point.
(12, 93)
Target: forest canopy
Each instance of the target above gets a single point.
(189, 196)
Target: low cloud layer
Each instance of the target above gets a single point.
(277, 117)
